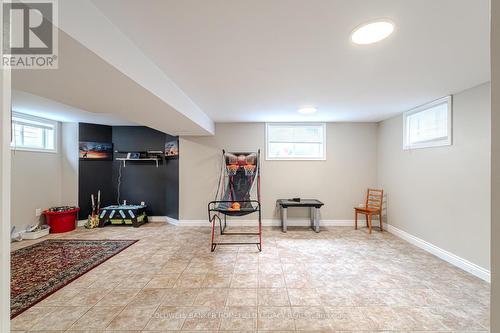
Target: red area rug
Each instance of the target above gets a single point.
(41, 269)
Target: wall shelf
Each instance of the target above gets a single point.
(124, 160)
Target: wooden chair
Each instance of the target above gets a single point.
(373, 206)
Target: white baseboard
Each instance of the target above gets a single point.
(453, 259)
(157, 218)
(163, 219)
(172, 221)
(269, 223)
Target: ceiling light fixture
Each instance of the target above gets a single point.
(307, 110)
(372, 32)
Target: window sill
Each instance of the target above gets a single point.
(34, 150)
(428, 145)
(295, 159)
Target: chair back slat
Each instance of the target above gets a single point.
(374, 198)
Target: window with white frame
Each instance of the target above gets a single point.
(292, 141)
(33, 133)
(429, 125)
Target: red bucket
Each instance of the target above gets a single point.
(61, 221)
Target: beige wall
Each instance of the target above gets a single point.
(340, 181)
(69, 164)
(36, 183)
(42, 180)
(442, 195)
(495, 166)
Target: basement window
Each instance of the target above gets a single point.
(33, 133)
(429, 125)
(292, 141)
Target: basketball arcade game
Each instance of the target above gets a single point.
(238, 194)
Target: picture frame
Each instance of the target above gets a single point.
(95, 151)
(133, 156)
(172, 149)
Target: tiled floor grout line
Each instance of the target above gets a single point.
(90, 308)
(125, 304)
(280, 249)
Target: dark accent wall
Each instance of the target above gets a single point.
(140, 180)
(94, 175)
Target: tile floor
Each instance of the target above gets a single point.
(335, 281)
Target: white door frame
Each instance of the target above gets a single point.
(495, 163)
(5, 166)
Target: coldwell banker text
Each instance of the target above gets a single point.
(30, 35)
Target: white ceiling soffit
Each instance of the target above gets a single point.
(84, 23)
(46, 108)
(87, 82)
(260, 60)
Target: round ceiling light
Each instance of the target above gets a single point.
(307, 110)
(372, 32)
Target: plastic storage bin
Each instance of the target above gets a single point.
(61, 221)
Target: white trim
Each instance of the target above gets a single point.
(164, 219)
(453, 259)
(29, 117)
(270, 223)
(33, 150)
(157, 219)
(172, 221)
(323, 158)
(447, 141)
(5, 197)
(153, 219)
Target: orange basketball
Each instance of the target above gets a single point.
(235, 206)
(233, 167)
(249, 167)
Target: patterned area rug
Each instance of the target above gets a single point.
(43, 268)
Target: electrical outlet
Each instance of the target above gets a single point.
(38, 212)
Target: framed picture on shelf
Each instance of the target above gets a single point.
(96, 151)
(172, 149)
(134, 156)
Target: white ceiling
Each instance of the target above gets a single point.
(260, 60)
(46, 108)
(86, 82)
